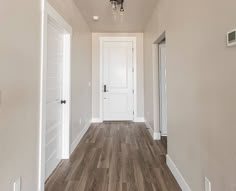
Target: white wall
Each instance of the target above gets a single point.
(20, 85)
(20, 23)
(96, 71)
(200, 86)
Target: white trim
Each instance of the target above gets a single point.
(156, 89)
(156, 104)
(118, 39)
(97, 120)
(79, 137)
(139, 120)
(164, 135)
(50, 12)
(41, 171)
(155, 135)
(207, 184)
(178, 176)
(148, 126)
(162, 100)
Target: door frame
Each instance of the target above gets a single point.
(50, 12)
(161, 83)
(156, 92)
(118, 39)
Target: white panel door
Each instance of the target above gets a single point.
(54, 90)
(118, 81)
(163, 94)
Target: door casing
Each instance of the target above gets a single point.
(162, 95)
(118, 39)
(50, 12)
(156, 92)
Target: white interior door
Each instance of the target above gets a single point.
(118, 103)
(54, 95)
(163, 93)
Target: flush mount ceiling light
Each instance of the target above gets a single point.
(95, 18)
(117, 5)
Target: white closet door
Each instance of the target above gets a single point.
(54, 85)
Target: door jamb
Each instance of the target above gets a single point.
(50, 12)
(161, 84)
(118, 39)
(156, 92)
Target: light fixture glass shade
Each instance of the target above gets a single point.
(117, 5)
(114, 5)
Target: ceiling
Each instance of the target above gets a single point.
(136, 15)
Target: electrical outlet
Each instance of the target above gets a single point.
(207, 184)
(17, 185)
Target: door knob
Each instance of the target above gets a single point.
(63, 101)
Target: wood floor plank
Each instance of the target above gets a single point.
(115, 156)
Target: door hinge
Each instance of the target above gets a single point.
(132, 69)
(133, 112)
(133, 91)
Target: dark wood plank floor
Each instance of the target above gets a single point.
(118, 156)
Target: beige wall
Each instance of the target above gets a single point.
(19, 89)
(201, 88)
(96, 71)
(20, 85)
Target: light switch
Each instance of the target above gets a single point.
(17, 185)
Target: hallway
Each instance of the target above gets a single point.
(117, 156)
(71, 69)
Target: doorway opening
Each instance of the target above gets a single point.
(160, 89)
(117, 78)
(55, 94)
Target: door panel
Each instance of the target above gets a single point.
(118, 78)
(54, 88)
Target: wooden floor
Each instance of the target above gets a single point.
(115, 157)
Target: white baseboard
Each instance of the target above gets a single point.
(164, 135)
(96, 120)
(178, 176)
(80, 136)
(139, 120)
(148, 125)
(155, 135)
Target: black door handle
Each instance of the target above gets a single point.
(63, 101)
(105, 88)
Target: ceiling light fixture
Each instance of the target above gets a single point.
(117, 4)
(95, 18)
